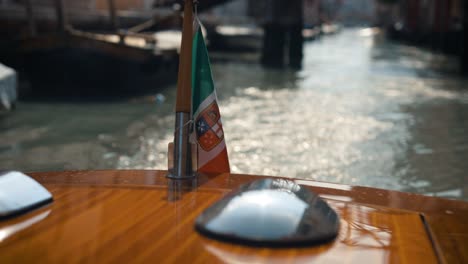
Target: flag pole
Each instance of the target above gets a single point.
(182, 148)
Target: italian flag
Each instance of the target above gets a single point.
(208, 129)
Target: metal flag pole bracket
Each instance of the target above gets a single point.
(182, 165)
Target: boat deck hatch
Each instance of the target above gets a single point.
(20, 194)
(270, 212)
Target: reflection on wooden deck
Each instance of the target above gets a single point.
(109, 216)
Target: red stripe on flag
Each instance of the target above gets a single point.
(218, 164)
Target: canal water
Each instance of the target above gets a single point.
(362, 111)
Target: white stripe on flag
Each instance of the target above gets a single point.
(218, 129)
(208, 100)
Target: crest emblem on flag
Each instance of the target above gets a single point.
(209, 128)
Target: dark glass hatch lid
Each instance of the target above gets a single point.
(270, 212)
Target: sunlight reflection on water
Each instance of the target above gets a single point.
(352, 115)
(362, 111)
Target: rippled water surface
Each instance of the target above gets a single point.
(362, 111)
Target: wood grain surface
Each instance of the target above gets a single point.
(141, 216)
(184, 83)
(450, 234)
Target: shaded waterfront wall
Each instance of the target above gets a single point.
(122, 4)
(430, 16)
(43, 14)
(97, 4)
(437, 24)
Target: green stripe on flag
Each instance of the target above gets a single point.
(202, 82)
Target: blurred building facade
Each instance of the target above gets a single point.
(431, 15)
(83, 11)
(438, 24)
(85, 4)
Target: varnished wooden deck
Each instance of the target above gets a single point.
(141, 216)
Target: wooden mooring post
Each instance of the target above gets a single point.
(113, 15)
(61, 16)
(464, 51)
(31, 20)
